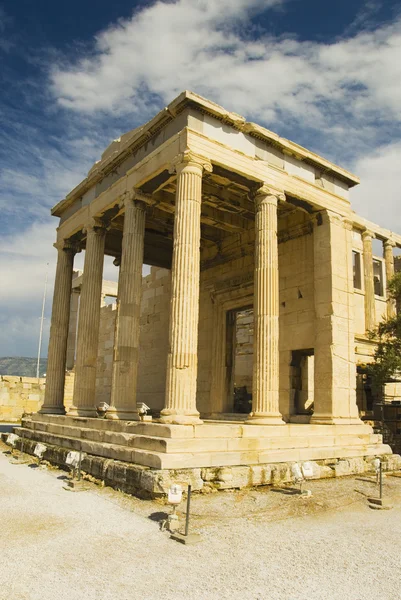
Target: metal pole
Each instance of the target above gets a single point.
(188, 507)
(380, 481)
(79, 465)
(41, 323)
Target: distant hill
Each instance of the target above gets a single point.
(21, 366)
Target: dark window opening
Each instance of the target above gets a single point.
(239, 359)
(302, 381)
(356, 260)
(378, 277)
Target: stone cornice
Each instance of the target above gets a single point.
(132, 141)
(361, 224)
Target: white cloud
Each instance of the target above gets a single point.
(347, 93)
(339, 98)
(168, 47)
(38, 171)
(378, 198)
(22, 274)
(26, 257)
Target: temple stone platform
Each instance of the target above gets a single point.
(146, 457)
(212, 444)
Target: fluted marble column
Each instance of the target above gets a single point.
(126, 343)
(56, 361)
(265, 388)
(388, 246)
(370, 317)
(72, 328)
(182, 362)
(89, 317)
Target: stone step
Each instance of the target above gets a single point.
(195, 445)
(210, 429)
(95, 435)
(177, 460)
(82, 422)
(220, 459)
(103, 449)
(199, 445)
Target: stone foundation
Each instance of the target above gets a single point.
(144, 458)
(146, 482)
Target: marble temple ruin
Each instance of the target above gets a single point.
(239, 226)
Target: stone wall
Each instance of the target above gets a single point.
(153, 346)
(153, 343)
(243, 360)
(227, 285)
(20, 395)
(105, 353)
(69, 389)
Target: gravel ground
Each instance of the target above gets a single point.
(258, 544)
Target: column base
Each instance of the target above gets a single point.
(82, 412)
(174, 417)
(331, 420)
(120, 415)
(52, 410)
(264, 419)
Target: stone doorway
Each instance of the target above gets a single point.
(302, 382)
(239, 359)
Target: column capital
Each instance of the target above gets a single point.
(348, 224)
(267, 194)
(190, 159)
(389, 243)
(95, 224)
(327, 216)
(67, 246)
(117, 261)
(135, 196)
(367, 233)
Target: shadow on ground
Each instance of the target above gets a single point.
(158, 516)
(287, 491)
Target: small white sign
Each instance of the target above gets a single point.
(39, 450)
(72, 459)
(12, 439)
(296, 472)
(175, 494)
(307, 469)
(376, 464)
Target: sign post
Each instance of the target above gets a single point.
(75, 483)
(187, 538)
(12, 440)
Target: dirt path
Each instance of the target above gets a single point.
(257, 544)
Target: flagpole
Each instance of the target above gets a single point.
(41, 323)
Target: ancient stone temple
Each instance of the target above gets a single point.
(238, 223)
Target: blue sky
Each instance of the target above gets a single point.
(75, 75)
